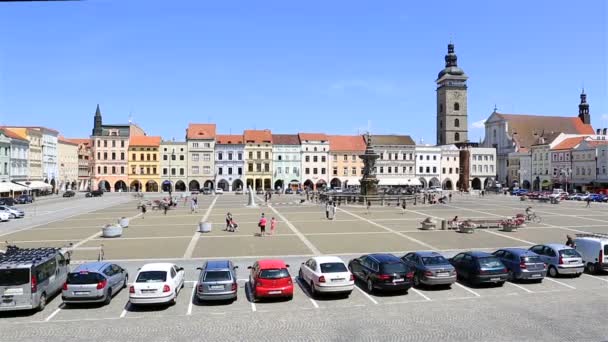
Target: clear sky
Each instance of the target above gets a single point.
(308, 66)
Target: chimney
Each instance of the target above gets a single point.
(598, 131)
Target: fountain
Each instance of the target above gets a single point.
(369, 182)
(251, 202)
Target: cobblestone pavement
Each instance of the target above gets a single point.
(556, 309)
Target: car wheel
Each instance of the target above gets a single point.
(126, 282)
(313, 290)
(300, 275)
(553, 272)
(12, 216)
(510, 276)
(591, 268)
(416, 280)
(42, 303)
(500, 284)
(173, 300)
(370, 286)
(108, 298)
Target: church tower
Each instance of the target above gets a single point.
(97, 122)
(451, 102)
(583, 109)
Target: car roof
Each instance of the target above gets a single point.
(426, 253)
(383, 257)
(91, 266)
(479, 254)
(271, 263)
(327, 258)
(160, 266)
(217, 265)
(519, 251)
(557, 246)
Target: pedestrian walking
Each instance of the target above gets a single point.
(228, 220)
(333, 211)
(369, 204)
(262, 225)
(266, 198)
(165, 207)
(327, 210)
(143, 210)
(570, 241)
(588, 200)
(403, 207)
(273, 225)
(450, 197)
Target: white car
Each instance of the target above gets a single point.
(327, 274)
(4, 216)
(219, 191)
(158, 283)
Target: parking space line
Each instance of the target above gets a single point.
(197, 235)
(304, 240)
(520, 287)
(306, 292)
(468, 289)
(509, 237)
(191, 301)
(595, 277)
(420, 294)
(366, 295)
(250, 297)
(124, 312)
(559, 282)
(389, 229)
(54, 313)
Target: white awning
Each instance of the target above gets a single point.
(36, 185)
(9, 186)
(400, 181)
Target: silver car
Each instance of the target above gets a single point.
(217, 281)
(95, 282)
(560, 259)
(12, 211)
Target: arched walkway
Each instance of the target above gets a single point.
(208, 185)
(180, 186)
(104, 185)
(167, 186)
(335, 183)
(259, 184)
(294, 184)
(526, 184)
(309, 184)
(151, 186)
(476, 184)
(434, 182)
(223, 184)
(237, 184)
(267, 183)
(194, 185)
(488, 182)
(250, 183)
(423, 183)
(120, 185)
(74, 186)
(447, 185)
(278, 185)
(321, 184)
(135, 186)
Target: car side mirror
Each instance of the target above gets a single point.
(180, 269)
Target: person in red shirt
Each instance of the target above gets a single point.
(262, 225)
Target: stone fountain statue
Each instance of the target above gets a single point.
(251, 202)
(369, 182)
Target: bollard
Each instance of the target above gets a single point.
(444, 224)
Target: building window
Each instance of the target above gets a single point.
(105, 170)
(206, 157)
(456, 106)
(315, 171)
(250, 167)
(229, 170)
(240, 156)
(195, 157)
(381, 169)
(443, 170)
(456, 123)
(105, 144)
(279, 170)
(456, 136)
(165, 157)
(195, 144)
(173, 171)
(250, 155)
(220, 171)
(258, 167)
(440, 108)
(206, 170)
(259, 155)
(195, 170)
(434, 169)
(323, 159)
(421, 169)
(307, 171)
(266, 167)
(322, 170)
(307, 158)
(105, 156)
(266, 155)
(219, 156)
(345, 172)
(279, 158)
(207, 145)
(229, 155)
(474, 168)
(335, 171)
(353, 171)
(240, 170)
(122, 170)
(165, 171)
(434, 157)
(315, 159)
(381, 155)
(181, 157)
(113, 170)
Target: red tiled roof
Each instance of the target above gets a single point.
(350, 143)
(12, 134)
(569, 143)
(83, 141)
(285, 139)
(313, 136)
(37, 127)
(144, 140)
(523, 127)
(257, 136)
(200, 131)
(62, 139)
(229, 139)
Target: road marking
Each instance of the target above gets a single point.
(468, 289)
(559, 282)
(124, 312)
(306, 292)
(304, 240)
(251, 298)
(389, 229)
(520, 287)
(475, 211)
(191, 301)
(197, 235)
(421, 294)
(367, 295)
(595, 277)
(508, 237)
(54, 313)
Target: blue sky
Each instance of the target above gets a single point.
(312, 66)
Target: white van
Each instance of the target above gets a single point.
(594, 249)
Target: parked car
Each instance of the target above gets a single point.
(207, 191)
(430, 268)
(288, 191)
(270, 278)
(12, 211)
(24, 199)
(94, 193)
(157, 283)
(560, 259)
(219, 191)
(596, 197)
(7, 201)
(238, 192)
(69, 193)
(217, 281)
(593, 249)
(259, 191)
(327, 274)
(95, 282)
(29, 276)
(4, 216)
(382, 272)
(522, 264)
(479, 267)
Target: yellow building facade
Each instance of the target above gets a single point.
(144, 164)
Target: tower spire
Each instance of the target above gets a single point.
(97, 122)
(583, 109)
(451, 60)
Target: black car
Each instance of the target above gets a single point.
(95, 193)
(480, 267)
(382, 272)
(24, 199)
(288, 191)
(69, 193)
(9, 201)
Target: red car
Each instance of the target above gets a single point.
(270, 278)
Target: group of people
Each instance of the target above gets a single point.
(330, 210)
(232, 226)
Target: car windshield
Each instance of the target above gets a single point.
(434, 260)
(217, 276)
(333, 267)
(531, 259)
(14, 276)
(84, 278)
(152, 277)
(569, 253)
(275, 273)
(394, 267)
(489, 263)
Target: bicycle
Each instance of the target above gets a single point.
(534, 218)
